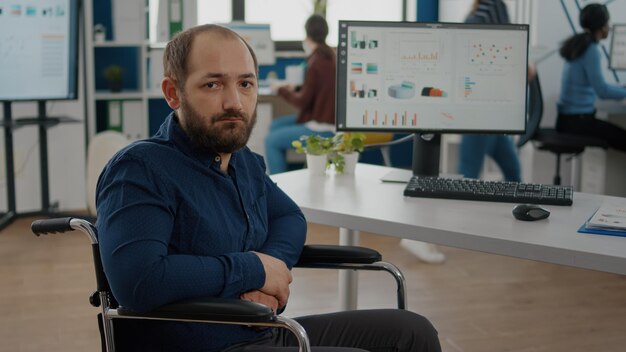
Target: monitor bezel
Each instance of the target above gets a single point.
(341, 91)
(611, 63)
(73, 60)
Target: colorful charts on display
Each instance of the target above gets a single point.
(449, 77)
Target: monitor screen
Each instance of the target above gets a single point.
(431, 77)
(259, 37)
(617, 58)
(38, 49)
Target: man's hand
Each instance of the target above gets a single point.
(277, 278)
(260, 297)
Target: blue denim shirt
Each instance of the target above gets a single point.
(173, 226)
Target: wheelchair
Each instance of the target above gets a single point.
(216, 310)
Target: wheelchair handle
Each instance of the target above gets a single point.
(50, 226)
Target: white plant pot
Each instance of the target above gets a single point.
(316, 164)
(350, 162)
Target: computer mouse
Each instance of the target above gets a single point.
(530, 212)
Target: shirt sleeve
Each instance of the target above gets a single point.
(135, 220)
(286, 226)
(593, 69)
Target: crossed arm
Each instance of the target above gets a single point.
(275, 291)
(145, 274)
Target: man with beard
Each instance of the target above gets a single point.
(191, 213)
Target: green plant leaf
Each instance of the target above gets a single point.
(298, 146)
(339, 161)
(314, 144)
(349, 142)
(113, 73)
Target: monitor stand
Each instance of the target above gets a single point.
(43, 122)
(426, 149)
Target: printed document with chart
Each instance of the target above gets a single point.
(609, 219)
(609, 216)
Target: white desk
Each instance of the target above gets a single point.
(604, 171)
(362, 202)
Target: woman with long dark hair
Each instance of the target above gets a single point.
(315, 99)
(582, 81)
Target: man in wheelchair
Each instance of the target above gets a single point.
(191, 212)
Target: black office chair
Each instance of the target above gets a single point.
(550, 139)
(218, 310)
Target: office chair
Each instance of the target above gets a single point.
(218, 310)
(550, 139)
(100, 150)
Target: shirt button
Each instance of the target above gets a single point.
(218, 159)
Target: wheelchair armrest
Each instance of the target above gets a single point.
(351, 257)
(334, 254)
(208, 309)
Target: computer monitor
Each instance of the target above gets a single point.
(617, 58)
(39, 50)
(431, 78)
(259, 37)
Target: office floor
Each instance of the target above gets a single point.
(478, 302)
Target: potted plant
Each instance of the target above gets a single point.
(347, 147)
(113, 76)
(317, 150)
(342, 151)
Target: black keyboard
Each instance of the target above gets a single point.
(491, 191)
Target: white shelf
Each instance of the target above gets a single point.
(113, 44)
(156, 45)
(131, 37)
(291, 54)
(154, 95)
(129, 27)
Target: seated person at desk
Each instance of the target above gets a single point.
(315, 98)
(582, 81)
(192, 213)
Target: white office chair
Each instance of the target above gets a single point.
(101, 148)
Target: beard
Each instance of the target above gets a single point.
(210, 135)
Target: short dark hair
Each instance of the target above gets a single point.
(316, 28)
(177, 51)
(594, 17)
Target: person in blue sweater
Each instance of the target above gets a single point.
(191, 212)
(474, 147)
(582, 81)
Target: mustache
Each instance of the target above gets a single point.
(229, 114)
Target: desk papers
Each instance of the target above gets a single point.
(609, 219)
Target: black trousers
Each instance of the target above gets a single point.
(375, 330)
(589, 125)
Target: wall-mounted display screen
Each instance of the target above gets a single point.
(617, 58)
(38, 49)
